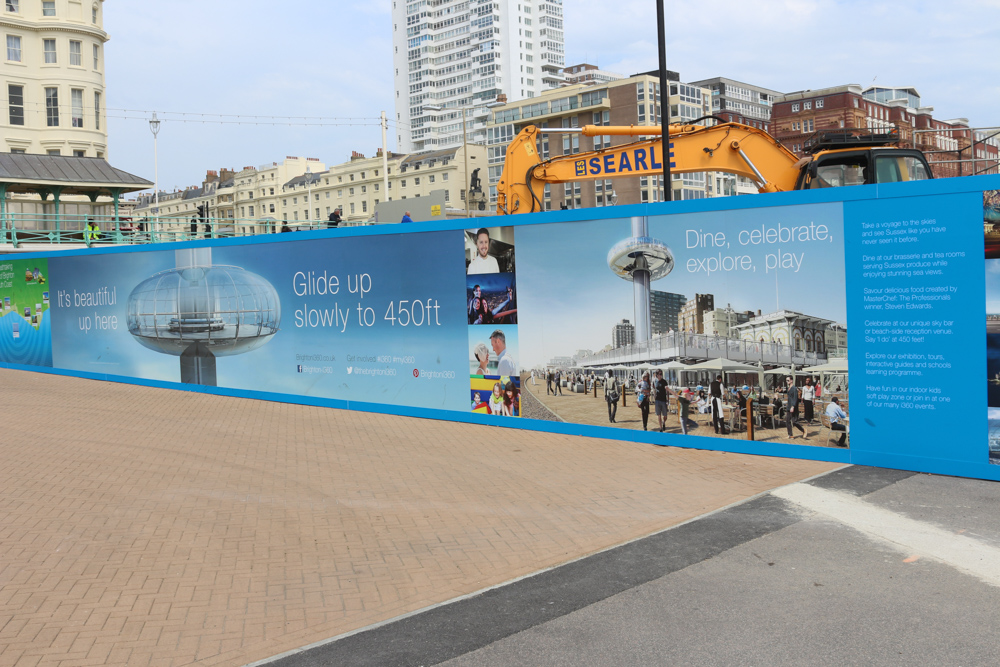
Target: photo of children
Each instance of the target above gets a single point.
(492, 397)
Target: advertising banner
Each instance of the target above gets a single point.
(842, 325)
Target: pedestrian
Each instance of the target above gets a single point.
(92, 232)
(611, 395)
(558, 384)
(836, 415)
(661, 391)
(792, 417)
(715, 392)
(808, 396)
(334, 219)
(532, 378)
(684, 405)
(194, 226)
(642, 398)
(406, 217)
(548, 383)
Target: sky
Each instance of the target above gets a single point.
(198, 63)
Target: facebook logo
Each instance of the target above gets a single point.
(299, 368)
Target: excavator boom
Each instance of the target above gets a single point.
(732, 148)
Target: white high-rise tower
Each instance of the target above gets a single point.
(457, 55)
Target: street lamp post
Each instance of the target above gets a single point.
(465, 153)
(154, 127)
(664, 100)
(465, 149)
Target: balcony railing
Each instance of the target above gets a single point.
(22, 231)
(702, 347)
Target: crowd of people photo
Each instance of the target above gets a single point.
(793, 409)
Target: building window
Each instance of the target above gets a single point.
(416, 181)
(76, 100)
(819, 104)
(53, 151)
(271, 208)
(364, 207)
(795, 108)
(806, 106)
(49, 46)
(352, 208)
(93, 14)
(75, 53)
(97, 111)
(14, 48)
(15, 96)
(48, 7)
(12, 5)
(350, 191)
(97, 57)
(52, 107)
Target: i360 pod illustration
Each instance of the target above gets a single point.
(197, 311)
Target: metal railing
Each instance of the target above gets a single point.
(679, 345)
(25, 229)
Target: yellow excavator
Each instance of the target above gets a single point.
(837, 159)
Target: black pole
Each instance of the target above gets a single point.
(664, 101)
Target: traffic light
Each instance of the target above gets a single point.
(202, 211)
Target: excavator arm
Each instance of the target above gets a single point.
(732, 148)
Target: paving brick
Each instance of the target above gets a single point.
(146, 526)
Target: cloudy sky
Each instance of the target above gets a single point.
(329, 64)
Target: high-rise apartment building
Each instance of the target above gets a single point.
(736, 101)
(53, 78)
(664, 311)
(453, 57)
(623, 334)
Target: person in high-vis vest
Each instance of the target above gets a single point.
(92, 232)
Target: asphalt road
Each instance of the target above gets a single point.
(863, 566)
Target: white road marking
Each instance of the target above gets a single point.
(903, 534)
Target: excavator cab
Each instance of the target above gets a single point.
(848, 159)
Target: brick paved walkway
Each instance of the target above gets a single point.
(154, 527)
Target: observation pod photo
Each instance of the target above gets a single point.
(641, 260)
(198, 312)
